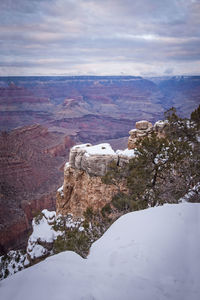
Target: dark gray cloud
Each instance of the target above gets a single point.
(99, 37)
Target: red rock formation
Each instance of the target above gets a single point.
(94, 128)
(31, 100)
(60, 149)
(44, 100)
(30, 173)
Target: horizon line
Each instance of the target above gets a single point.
(136, 76)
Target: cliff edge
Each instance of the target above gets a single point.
(83, 186)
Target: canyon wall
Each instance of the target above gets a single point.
(31, 170)
(58, 101)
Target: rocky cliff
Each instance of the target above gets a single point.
(83, 186)
(31, 160)
(144, 129)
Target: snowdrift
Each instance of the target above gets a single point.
(150, 254)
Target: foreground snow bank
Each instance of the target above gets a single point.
(151, 254)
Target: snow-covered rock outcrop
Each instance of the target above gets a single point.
(95, 159)
(83, 186)
(40, 242)
(149, 254)
(144, 128)
(47, 228)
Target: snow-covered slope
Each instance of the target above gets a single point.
(151, 254)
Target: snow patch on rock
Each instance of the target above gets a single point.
(41, 240)
(60, 190)
(127, 152)
(193, 192)
(11, 263)
(100, 149)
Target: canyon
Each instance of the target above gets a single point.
(31, 169)
(57, 101)
(41, 118)
(84, 199)
(83, 186)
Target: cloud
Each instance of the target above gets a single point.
(169, 71)
(87, 36)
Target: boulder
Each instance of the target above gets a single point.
(94, 160)
(143, 125)
(143, 129)
(133, 133)
(97, 164)
(76, 154)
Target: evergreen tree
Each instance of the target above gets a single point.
(195, 117)
(163, 170)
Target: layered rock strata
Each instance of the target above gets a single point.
(31, 159)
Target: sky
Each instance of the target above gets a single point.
(99, 37)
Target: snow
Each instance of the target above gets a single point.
(81, 146)
(103, 149)
(163, 157)
(146, 255)
(43, 232)
(191, 193)
(160, 123)
(100, 149)
(13, 262)
(133, 130)
(141, 121)
(36, 251)
(67, 165)
(127, 152)
(26, 262)
(70, 222)
(50, 214)
(60, 190)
